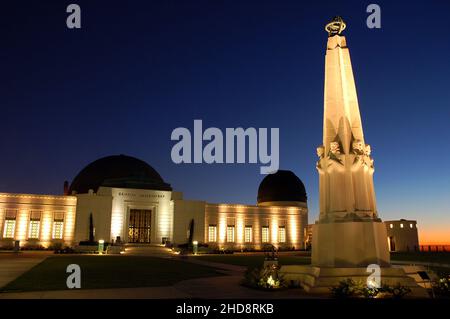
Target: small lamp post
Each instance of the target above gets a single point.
(195, 247)
(101, 245)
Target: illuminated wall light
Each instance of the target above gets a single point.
(69, 225)
(164, 221)
(222, 227)
(46, 234)
(293, 229)
(171, 213)
(274, 229)
(240, 229)
(116, 224)
(22, 223)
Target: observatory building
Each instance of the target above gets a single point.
(126, 199)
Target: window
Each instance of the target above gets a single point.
(281, 234)
(35, 223)
(58, 226)
(401, 225)
(212, 233)
(230, 234)
(58, 230)
(10, 227)
(10, 224)
(34, 229)
(391, 225)
(248, 236)
(411, 226)
(265, 234)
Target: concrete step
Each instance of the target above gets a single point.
(147, 250)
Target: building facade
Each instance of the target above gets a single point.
(124, 199)
(37, 220)
(402, 235)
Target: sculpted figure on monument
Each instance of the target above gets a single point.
(335, 148)
(320, 151)
(335, 152)
(358, 147)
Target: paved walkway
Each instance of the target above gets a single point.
(12, 265)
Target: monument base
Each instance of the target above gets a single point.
(350, 244)
(319, 280)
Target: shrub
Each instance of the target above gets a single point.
(7, 246)
(65, 250)
(348, 288)
(56, 246)
(33, 247)
(267, 278)
(442, 287)
(398, 291)
(369, 292)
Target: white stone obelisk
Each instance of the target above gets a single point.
(348, 232)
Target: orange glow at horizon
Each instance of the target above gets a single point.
(434, 236)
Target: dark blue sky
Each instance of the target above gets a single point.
(138, 69)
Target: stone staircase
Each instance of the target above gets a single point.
(147, 250)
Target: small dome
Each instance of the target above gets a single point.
(119, 171)
(282, 186)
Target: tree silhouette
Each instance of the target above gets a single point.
(191, 232)
(91, 228)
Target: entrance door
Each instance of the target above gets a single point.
(391, 241)
(139, 226)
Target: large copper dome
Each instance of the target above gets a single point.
(282, 186)
(119, 171)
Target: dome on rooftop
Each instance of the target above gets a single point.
(282, 186)
(118, 171)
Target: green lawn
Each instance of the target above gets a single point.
(108, 272)
(254, 260)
